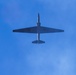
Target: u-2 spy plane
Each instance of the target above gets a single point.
(38, 30)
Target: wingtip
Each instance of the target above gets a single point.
(61, 30)
(13, 30)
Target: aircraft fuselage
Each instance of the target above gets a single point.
(38, 28)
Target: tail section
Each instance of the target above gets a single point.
(38, 42)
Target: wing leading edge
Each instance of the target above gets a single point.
(35, 29)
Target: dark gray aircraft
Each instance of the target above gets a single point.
(38, 30)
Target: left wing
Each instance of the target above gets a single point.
(49, 30)
(27, 30)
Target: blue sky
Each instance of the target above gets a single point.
(18, 56)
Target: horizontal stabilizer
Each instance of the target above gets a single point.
(38, 42)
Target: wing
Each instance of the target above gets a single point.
(49, 30)
(27, 30)
(35, 29)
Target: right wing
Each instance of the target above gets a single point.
(49, 30)
(27, 30)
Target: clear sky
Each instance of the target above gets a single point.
(18, 56)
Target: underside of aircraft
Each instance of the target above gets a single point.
(38, 30)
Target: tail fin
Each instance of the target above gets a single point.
(38, 42)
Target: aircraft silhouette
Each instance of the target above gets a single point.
(38, 30)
